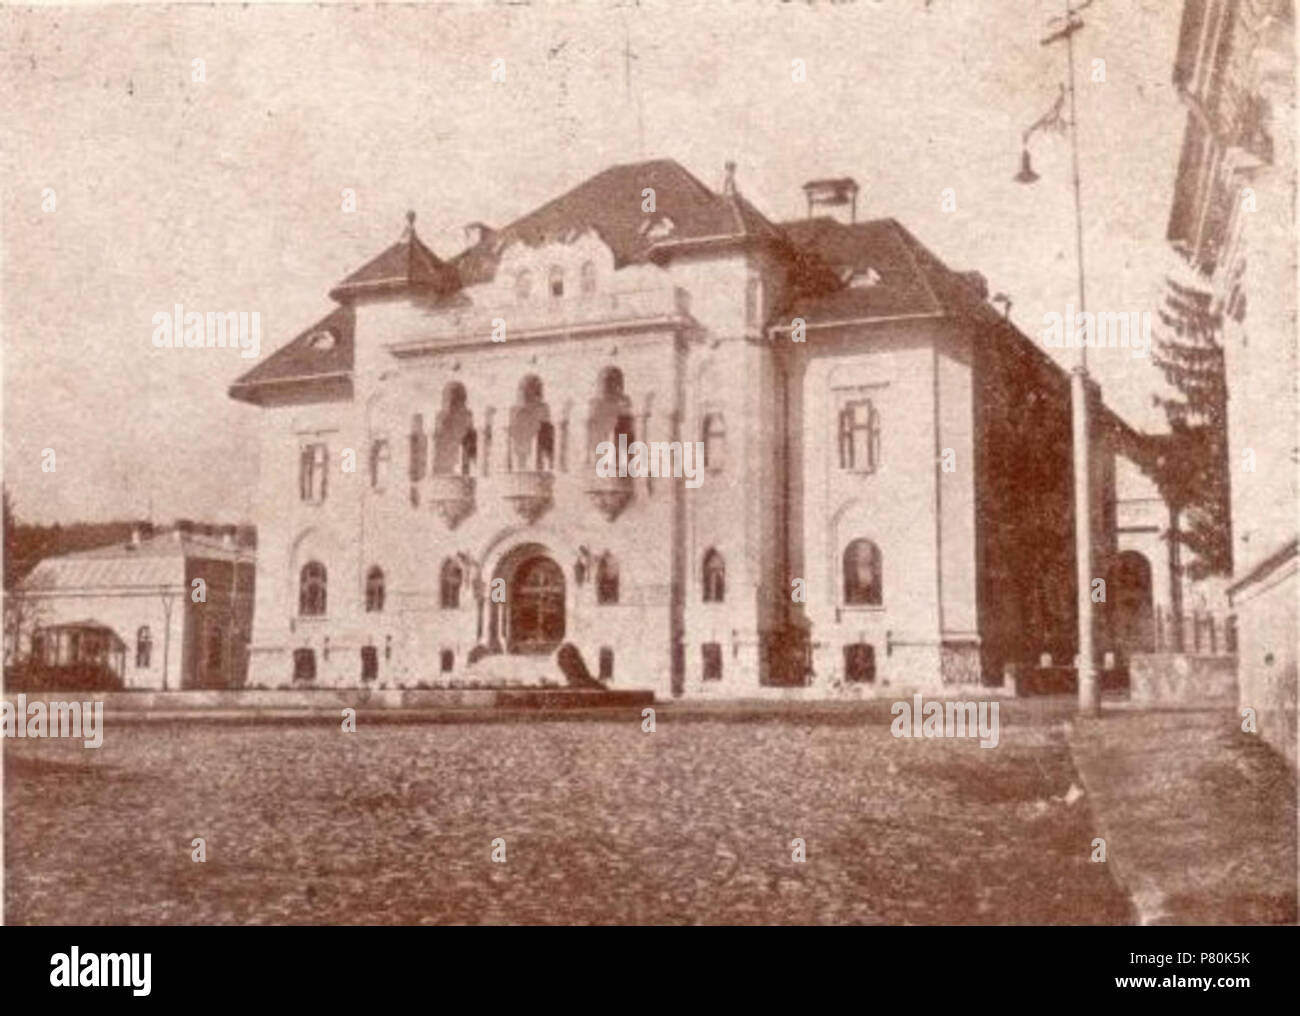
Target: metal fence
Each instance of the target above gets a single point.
(1197, 631)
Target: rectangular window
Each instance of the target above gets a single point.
(606, 663)
(304, 665)
(312, 466)
(379, 459)
(859, 663)
(859, 436)
(715, 441)
(419, 448)
(712, 657)
(369, 663)
(216, 646)
(753, 292)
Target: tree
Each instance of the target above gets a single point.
(11, 540)
(1191, 462)
(23, 614)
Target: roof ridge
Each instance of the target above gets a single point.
(902, 235)
(734, 204)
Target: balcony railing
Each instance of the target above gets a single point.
(529, 493)
(610, 494)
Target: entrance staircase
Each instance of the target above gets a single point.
(563, 668)
(509, 670)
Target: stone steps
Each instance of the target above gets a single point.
(507, 670)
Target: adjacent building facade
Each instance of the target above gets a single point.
(859, 471)
(1233, 217)
(165, 611)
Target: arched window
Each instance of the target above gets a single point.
(607, 579)
(455, 444)
(545, 457)
(715, 578)
(862, 575)
(557, 281)
(532, 435)
(523, 285)
(311, 590)
(449, 584)
(588, 278)
(715, 441)
(609, 413)
(143, 646)
(374, 590)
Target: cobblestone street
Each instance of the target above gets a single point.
(603, 823)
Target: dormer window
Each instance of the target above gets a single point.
(862, 278)
(322, 340)
(557, 281)
(659, 229)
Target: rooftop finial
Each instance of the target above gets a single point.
(729, 182)
(410, 224)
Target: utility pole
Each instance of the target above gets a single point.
(1089, 703)
(167, 634)
(628, 57)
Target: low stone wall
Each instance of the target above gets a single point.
(1182, 679)
(1021, 680)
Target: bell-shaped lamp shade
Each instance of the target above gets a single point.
(1026, 174)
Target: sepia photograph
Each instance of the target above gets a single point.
(651, 464)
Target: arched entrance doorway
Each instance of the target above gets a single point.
(532, 619)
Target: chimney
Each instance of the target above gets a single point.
(977, 281)
(838, 194)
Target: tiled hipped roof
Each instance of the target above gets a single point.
(155, 562)
(822, 254)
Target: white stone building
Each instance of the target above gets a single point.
(884, 498)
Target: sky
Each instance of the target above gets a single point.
(226, 193)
